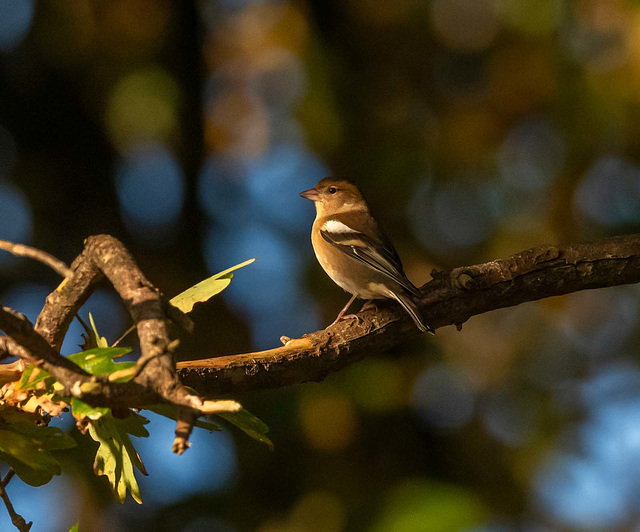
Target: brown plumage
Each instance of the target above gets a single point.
(354, 251)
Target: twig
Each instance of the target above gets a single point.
(451, 298)
(184, 425)
(142, 362)
(7, 478)
(172, 312)
(22, 250)
(17, 520)
(124, 335)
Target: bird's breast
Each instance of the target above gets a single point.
(349, 274)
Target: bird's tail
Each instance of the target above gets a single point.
(409, 305)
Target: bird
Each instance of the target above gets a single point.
(353, 250)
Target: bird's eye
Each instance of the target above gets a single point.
(332, 190)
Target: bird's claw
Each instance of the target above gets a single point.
(346, 317)
(369, 305)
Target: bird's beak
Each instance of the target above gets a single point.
(311, 194)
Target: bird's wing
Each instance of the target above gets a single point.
(374, 250)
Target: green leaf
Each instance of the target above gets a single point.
(25, 447)
(32, 376)
(171, 411)
(33, 477)
(249, 424)
(80, 409)
(29, 456)
(116, 457)
(93, 339)
(74, 528)
(134, 424)
(206, 289)
(50, 438)
(99, 360)
(99, 341)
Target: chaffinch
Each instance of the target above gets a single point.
(354, 252)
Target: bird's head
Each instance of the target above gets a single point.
(333, 196)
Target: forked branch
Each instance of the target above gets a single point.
(155, 379)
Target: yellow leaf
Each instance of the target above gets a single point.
(206, 289)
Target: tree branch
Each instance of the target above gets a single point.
(41, 256)
(24, 342)
(155, 378)
(63, 303)
(17, 520)
(451, 298)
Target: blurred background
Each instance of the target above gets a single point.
(477, 128)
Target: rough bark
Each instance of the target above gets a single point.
(155, 380)
(451, 298)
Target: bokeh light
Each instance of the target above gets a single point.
(477, 128)
(443, 397)
(143, 106)
(55, 494)
(609, 192)
(15, 20)
(273, 281)
(210, 463)
(150, 186)
(455, 216)
(592, 480)
(598, 324)
(255, 210)
(536, 18)
(16, 223)
(222, 192)
(316, 511)
(378, 385)
(531, 155)
(274, 181)
(510, 416)
(328, 421)
(416, 505)
(465, 25)
(27, 298)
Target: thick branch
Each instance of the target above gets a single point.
(63, 303)
(147, 309)
(24, 342)
(451, 298)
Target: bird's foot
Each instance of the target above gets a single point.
(346, 317)
(369, 305)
